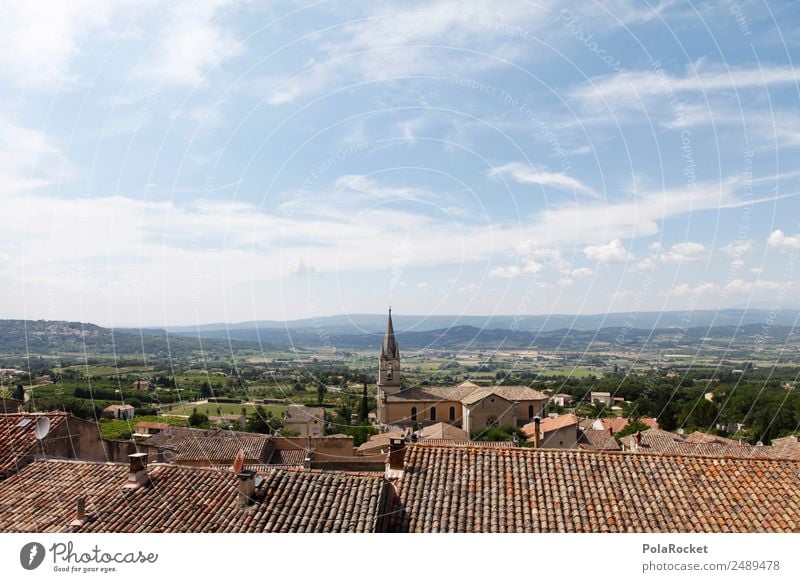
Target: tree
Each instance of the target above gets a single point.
(205, 389)
(260, 421)
(19, 392)
(321, 390)
(197, 418)
(363, 411)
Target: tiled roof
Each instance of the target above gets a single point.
(288, 457)
(467, 393)
(460, 489)
(663, 442)
(442, 430)
(42, 498)
(18, 437)
(787, 446)
(304, 414)
(597, 440)
(617, 424)
(703, 437)
(479, 444)
(316, 501)
(215, 448)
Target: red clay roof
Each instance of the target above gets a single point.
(18, 442)
(42, 498)
(459, 489)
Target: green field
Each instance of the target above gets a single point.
(210, 408)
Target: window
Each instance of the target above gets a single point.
(491, 421)
(389, 372)
(433, 413)
(452, 413)
(413, 414)
(530, 411)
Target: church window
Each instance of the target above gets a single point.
(413, 414)
(452, 413)
(530, 411)
(433, 413)
(389, 372)
(491, 421)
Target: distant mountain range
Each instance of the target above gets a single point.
(446, 331)
(370, 323)
(21, 337)
(565, 332)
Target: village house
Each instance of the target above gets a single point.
(306, 420)
(119, 411)
(602, 397)
(562, 400)
(561, 432)
(467, 405)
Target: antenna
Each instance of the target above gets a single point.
(42, 427)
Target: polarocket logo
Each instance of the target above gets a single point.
(31, 555)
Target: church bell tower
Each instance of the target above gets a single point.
(388, 367)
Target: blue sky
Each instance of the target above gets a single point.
(208, 160)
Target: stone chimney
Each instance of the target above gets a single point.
(637, 438)
(397, 453)
(537, 431)
(137, 475)
(80, 513)
(247, 487)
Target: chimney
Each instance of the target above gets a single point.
(537, 426)
(80, 513)
(397, 453)
(638, 439)
(137, 475)
(247, 487)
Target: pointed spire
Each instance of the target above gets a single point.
(389, 348)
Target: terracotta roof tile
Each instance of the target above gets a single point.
(42, 498)
(18, 437)
(459, 489)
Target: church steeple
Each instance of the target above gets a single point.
(389, 348)
(388, 364)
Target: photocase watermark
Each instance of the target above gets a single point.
(67, 558)
(31, 555)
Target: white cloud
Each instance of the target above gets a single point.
(739, 286)
(39, 39)
(471, 288)
(581, 273)
(738, 248)
(685, 252)
(613, 252)
(770, 285)
(511, 272)
(566, 281)
(424, 287)
(779, 240)
(387, 43)
(524, 174)
(633, 86)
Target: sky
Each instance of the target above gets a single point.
(181, 162)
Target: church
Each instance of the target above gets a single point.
(467, 405)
